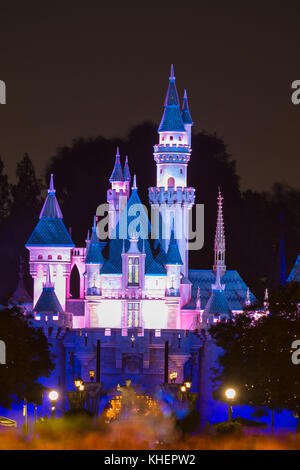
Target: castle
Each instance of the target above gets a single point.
(138, 305)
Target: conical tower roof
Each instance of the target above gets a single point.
(171, 120)
(127, 176)
(185, 112)
(117, 173)
(48, 301)
(20, 296)
(173, 255)
(94, 250)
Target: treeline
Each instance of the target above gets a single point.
(253, 220)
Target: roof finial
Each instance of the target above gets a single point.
(172, 76)
(118, 152)
(127, 175)
(198, 300)
(51, 189)
(134, 182)
(248, 300)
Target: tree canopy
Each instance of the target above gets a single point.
(257, 358)
(27, 358)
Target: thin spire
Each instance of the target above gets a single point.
(248, 299)
(198, 299)
(172, 76)
(219, 249)
(218, 285)
(51, 189)
(134, 186)
(48, 284)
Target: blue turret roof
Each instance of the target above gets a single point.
(50, 230)
(185, 112)
(171, 120)
(51, 209)
(127, 175)
(48, 301)
(295, 273)
(95, 247)
(117, 173)
(120, 239)
(173, 255)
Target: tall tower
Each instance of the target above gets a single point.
(219, 251)
(171, 198)
(50, 247)
(118, 194)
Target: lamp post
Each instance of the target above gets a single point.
(183, 392)
(53, 396)
(132, 341)
(25, 414)
(230, 394)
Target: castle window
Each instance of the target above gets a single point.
(49, 256)
(171, 137)
(171, 182)
(59, 257)
(37, 316)
(163, 138)
(161, 171)
(133, 318)
(133, 271)
(180, 138)
(181, 171)
(55, 316)
(40, 257)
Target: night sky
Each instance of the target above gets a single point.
(97, 68)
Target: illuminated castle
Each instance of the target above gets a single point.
(134, 293)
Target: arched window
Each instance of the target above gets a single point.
(180, 138)
(75, 283)
(181, 171)
(171, 182)
(59, 257)
(133, 271)
(40, 257)
(171, 137)
(49, 256)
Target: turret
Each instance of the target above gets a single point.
(217, 307)
(118, 194)
(173, 266)
(186, 117)
(50, 244)
(94, 261)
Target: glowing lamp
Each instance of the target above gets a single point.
(173, 376)
(77, 382)
(92, 375)
(230, 393)
(183, 388)
(53, 395)
(81, 387)
(188, 384)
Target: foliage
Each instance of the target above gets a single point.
(27, 358)
(257, 353)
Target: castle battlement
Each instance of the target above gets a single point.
(171, 196)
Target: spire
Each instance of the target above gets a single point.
(220, 239)
(48, 284)
(185, 112)
(171, 120)
(117, 173)
(51, 209)
(134, 186)
(127, 176)
(248, 299)
(218, 286)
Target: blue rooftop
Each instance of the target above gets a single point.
(295, 273)
(48, 302)
(185, 112)
(171, 120)
(50, 232)
(173, 255)
(217, 304)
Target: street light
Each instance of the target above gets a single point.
(173, 376)
(77, 382)
(53, 396)
(92, 375)
(188, 384)
(132, 341)
(230, 394)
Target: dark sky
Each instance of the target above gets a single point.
(90, 68)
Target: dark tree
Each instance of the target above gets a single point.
(257, 358)
(27, 358)
(5, 199)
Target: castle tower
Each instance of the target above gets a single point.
(219, 249)
(94, 261)
(50, 247)
(118, 194)
(171, 198)
(217, 307)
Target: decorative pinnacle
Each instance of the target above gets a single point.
(51, 189)
(134, 182)
(118, 152)
(185, 95)
(248, 300)
(172, 76)
(95, 224)
(48, 282)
